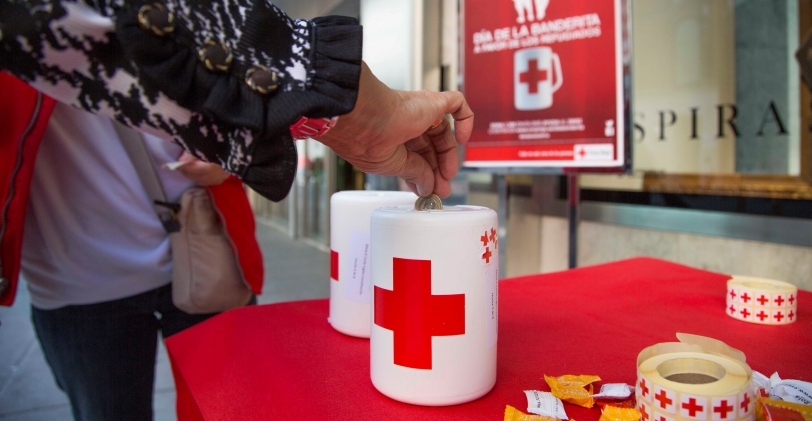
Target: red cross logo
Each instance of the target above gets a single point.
(662, 418)
(732, 309)
(780, 300)
(745, 402)
(493, 234)
(643, 387)
(746, 297)
(643, 412)
(723, 409)
(664, 400)
(414, 315)
(791, 299)
(762, 315)
(692, 407)
(732, 294)
(487, 255)
(533, 76)
(745, 313)
(334, 265)
(791, 315)
(763, 300)
(778, 316)
(582, 152)
(484, 239)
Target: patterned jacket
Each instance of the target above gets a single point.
(24, 114)
(225, 79)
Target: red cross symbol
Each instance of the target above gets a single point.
(493, 234)
(791, 300)
(487, 255)
(745, 297)
(496, 243)
(662, 418)
(664, 400)
(762, 315)
(763, 300)
(484, 239)
(780, 300)
(414, 315)
(643, 387)
(533, 76)
(692, 407)
(791, 315)
(732, 309)
(582, 152)
(732, 294)
(723, 409)
(745, 402)
(334, 265)
(643, 412)
(745, 313)
(778, 316)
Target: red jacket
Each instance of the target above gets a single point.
(24, 115)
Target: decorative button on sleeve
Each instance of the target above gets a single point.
(215, 55)
(156, 19)
(262, 80)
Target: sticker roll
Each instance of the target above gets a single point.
(435, 303)
(686, 382)
(349, 255)
(761, 301)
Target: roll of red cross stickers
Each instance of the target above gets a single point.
(699, 379)
(761, 301)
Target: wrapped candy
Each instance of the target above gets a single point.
(612, 413)
(573, 389)
(513, 414)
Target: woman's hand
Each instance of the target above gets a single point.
(204, 174)
(391, 133)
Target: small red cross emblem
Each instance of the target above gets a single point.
(533, 76)
(791, 299)
(746, 298)
(745, 313)
(487, 255)
(745, 404)
(692, 407)
(778, 316)
(662, 418)
(732, 309)
(732, 294)
(484, 239)
(763, 300)
(334, 265)
(762, 315)
(643, 387)
(582, 152)
(723, 409)
(791, 315)
(493, 234)
(644, 413)
(780, 300)
(664, 400)
(414, 315)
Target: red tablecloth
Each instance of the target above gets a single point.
(285, 362)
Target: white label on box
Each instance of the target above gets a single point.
(491, 305)
(356, 275)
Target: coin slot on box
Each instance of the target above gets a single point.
(691, 371)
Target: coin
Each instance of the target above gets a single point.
(432, 202)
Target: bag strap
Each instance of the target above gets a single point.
(142, 161)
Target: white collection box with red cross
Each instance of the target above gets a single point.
(349, 256)
(435, 303)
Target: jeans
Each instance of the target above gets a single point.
(103, 355)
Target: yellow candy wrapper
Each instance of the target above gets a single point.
(573, 389)
(513, 414)
(613, 413)
(781, 410)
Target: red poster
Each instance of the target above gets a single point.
(545, 80)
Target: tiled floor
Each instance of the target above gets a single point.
(293, 271)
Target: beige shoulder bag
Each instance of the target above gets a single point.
(206, 277)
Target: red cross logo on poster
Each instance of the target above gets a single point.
(414, 315)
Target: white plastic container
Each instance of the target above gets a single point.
(349, 255)
(435, 304)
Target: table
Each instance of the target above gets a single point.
(284, 361)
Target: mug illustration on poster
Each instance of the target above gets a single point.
(534, 70)
(525, 8)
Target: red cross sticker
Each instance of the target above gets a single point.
(533, 76)
(334, 265)
(791, 315)
(665, 401)
(487, 255)
(643, 387)
(778, 316)
(493, 234)
(723, 409)
(692, 407)
(644, 412)
(779, 300)
(732, 309)
(746, 298)
(762, 315)
(484, 239)
(414, 315)
(763, 300)
(791, 299)
(732, 294)
(745, 403)
(745, 313)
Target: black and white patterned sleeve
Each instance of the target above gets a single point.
(223, 78)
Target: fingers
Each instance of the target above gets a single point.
(457, 106)
(445, 149)
(416, 170)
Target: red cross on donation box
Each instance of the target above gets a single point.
(414, 315)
